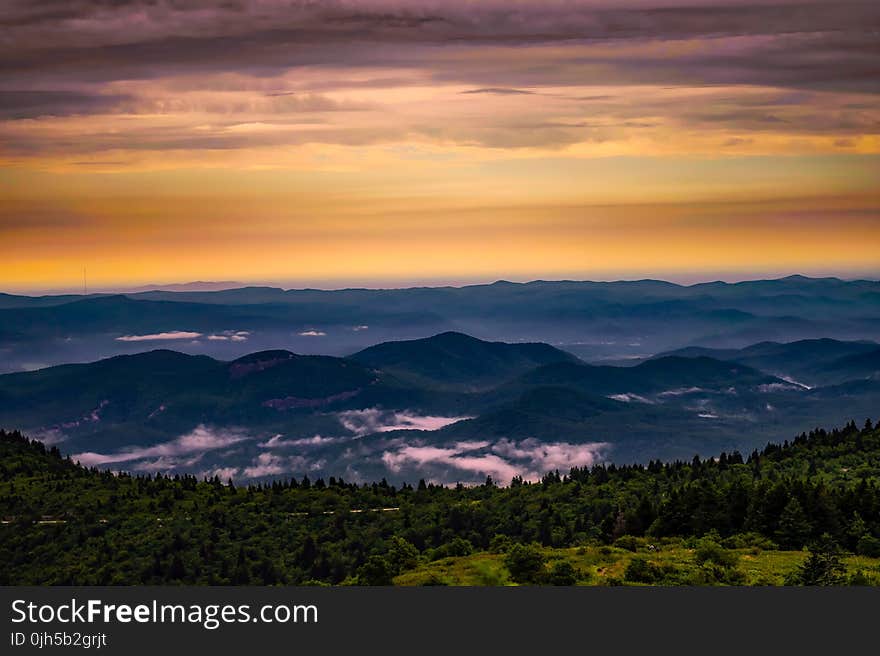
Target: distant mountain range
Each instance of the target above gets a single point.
(811, 361)
(596, 321)
(450, 407)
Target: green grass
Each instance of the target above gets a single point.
(604, 565)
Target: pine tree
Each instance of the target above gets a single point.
(794, 526)
(822, 567)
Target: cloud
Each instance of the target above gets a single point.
(629, 397)
(171, 335)
(472, 445)
(271, 464)
(266, 464)
(223, 473)
(500, 91)
(165, 464)
(50, 436)
(312, 333)
(545, 457)
(423, 456)
(277, 441)
(19, 104)
(199, 440)
(230, 336)
(764, 41)
(502, 460)
(375, 420)
(781, 387)
(681, 391)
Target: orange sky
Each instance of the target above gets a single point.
(405, 153)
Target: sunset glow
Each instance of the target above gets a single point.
(393, 142)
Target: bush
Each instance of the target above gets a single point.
(869, 546)
(753, 541)
(525, 563)
(859, 578)
(562, 573)
(376, 571)
(711, 574)
(628, 542)
(457, 547)
(709, 551)
(402, 555)
(500, 544)
(639, 570)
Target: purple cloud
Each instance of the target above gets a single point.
(472, 461)
(199, 440)
(375, 420)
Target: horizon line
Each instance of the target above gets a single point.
(221, 286)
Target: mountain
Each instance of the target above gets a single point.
(863, 365)
(811, 362)
(153, 396)
(664, 375)
(596, 321)
(456, 360)
(195, 286)
(546, 413)
(401, 408)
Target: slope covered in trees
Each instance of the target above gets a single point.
(64, 524)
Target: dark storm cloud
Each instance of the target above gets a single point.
(31, 104)
(829, 45)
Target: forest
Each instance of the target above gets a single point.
(811, 505)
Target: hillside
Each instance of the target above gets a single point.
(479, 408)
(667, 374)
(811, 362)
(723, 520)
(456, 360)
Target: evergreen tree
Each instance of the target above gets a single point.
(794, 526)
(822, 567)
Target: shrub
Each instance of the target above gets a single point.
(709, 551)
(525, 563)
(562, 573)
(753, 541)
(628, 542)
(859, 578)
(869, 546)
(639, 570)
(500, 544)
(376, 571)
(402, 555)
(456, 547)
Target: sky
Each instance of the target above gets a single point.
(382, 143)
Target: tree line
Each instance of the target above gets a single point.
(66, 524)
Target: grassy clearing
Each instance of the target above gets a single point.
(607, 565)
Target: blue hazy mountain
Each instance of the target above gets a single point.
(456, 360)
(451, 402)
(596, 321)
(810, 362)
